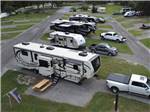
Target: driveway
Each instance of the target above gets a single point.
(141, 53)
(30, 34)
(71, 93)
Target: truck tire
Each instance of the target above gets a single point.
(118, 41)
(102, 38)
(114, 89)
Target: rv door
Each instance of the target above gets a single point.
(70, 42)
(45, 66)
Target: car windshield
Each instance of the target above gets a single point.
(108, 46)
(148, 82)
(115, 34)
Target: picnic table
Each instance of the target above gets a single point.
(42, 85)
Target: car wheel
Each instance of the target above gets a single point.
(93, 50)
(149, 96)
(114, 89)
(109, 54)
(102, 38)
(118, 40)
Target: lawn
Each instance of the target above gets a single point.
(136, 32)
(111, 8)
(45, 37)
(122, 47)
(146, 42)
(33, 15)
(19, 27)
(9, 35)
(101, 102)
(104, 26)
(113, 65)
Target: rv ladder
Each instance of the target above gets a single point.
(55, 78)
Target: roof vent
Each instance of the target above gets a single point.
(50, 48)
(84, 53)
(42, 46)
(25, 43)
(66, 32)
(142, 78)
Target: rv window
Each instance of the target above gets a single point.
(35, 56)
(71, 41)
(43, 63)
(75, 67)
(25, 53)
(96, 63)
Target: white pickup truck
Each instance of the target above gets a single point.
(135, 83)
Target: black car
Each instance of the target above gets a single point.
(72, 28)
(103, 48)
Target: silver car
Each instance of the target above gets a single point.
(103, 48)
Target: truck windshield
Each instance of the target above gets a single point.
(96, 63)
(148, 82)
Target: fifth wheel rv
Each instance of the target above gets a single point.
(66, 39)
(53, 61)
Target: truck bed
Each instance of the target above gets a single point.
(119, 78)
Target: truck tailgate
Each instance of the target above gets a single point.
(119, 78)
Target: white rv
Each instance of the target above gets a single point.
(90, 25)
(66, 39)
(69, 64)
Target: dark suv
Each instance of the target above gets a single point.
(103, 48)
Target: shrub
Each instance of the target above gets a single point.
(84, 7)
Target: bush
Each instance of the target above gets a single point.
(84, 7)
(94, 9)
(73, 9)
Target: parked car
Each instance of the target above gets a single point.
(129, 14)
(103, 48)
(112, 36)
(86, 18)
(125, 9)
(135, 83)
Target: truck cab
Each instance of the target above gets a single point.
(135, 83)
(139, 84)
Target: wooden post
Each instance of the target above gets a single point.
(9, 101)
(116, 102)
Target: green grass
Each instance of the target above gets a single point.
(66, 16)
(45, 37)
(101, 102)
(110, 9)
(9, 35)
(22, 16)
(20, 27)
(104, 26)
(21, 22)
(113, 65)
(146, 42)
(136, 32)
(123, 48)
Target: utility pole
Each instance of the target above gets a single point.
(116, 102)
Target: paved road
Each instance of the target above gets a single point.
(32, 33)
(141, 53)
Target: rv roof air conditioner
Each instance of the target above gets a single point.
(84, 53)
(50, 48)
(42, 46)
(66, 32)
(25, 43)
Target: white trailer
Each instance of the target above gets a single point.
(66, 39)
(72, 65)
